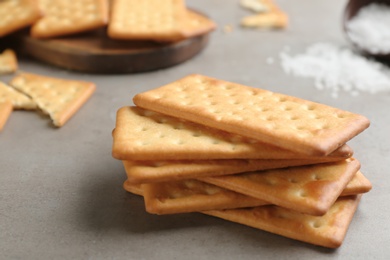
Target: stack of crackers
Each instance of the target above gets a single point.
(247, 155)
(157, 20)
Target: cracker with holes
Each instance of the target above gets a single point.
(193, 195)
(147, 20)
(146, 135)
(5, 112)
(59, 98)
(17, 14)
(308, 189)
(157, 171)
(328, 230)
(18, 99)
(281, 120)
(8, 62)
(63, 17)
(196, 24)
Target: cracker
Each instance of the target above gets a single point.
(133, 188)
(190, 196)
(258, 6)
(308, 189)
(5, 112)
(64, 17)
(157, 171)
(193, 195)
(288, 122)
(59, 98)
(272, 20)
(328, 230)
(358, 185)
(196, 24)
(8, 62)
(159, 20)
(17, 14)
(18, 100)
(145, 135)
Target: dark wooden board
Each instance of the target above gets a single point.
(94, 52)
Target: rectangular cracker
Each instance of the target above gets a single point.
(59, 98)
(196, 24)
(17, 14)
(159, 20)
(308, 189)
(146, 135)
(18, 100)
(193, 195)
(158, 171)
(5, 112)
(64, 17)
(284, 121)
(328, 230)
(8, 62)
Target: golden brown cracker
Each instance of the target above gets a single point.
(8, 62)
(328, 230)
(5, 112)
(157, 171)
(18, 99)
(196, 24)
(17, 14)
(64, 17)
(146, 135)
(133, 188)
(308, 189)
(59, 98)
(289, 122)
(271, 20)
(147, 19)
(358, 185)
(190, 196)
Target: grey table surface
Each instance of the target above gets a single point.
(61, 193)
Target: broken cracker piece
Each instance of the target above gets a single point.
(5, 112)
(8, 62)
(59, 98)
(271, 20)
(18, 100)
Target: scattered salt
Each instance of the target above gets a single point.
(369, 29)
(337, 69)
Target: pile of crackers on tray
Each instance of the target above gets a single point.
(157, 20)
(243, 154)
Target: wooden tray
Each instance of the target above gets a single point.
(94, 52)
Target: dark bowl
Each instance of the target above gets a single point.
(351, 9)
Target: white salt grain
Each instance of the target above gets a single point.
(337, 69)
(369, 29)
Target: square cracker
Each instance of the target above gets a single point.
(8, 62)
(64, 17)
(328, 230)
(193, 195)
(289, 122)
(5, 112)
(159, 20)
(157, 171)
(17, 14)
(59, 98)
(146, 135)
(18, 99)
(308, 189)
